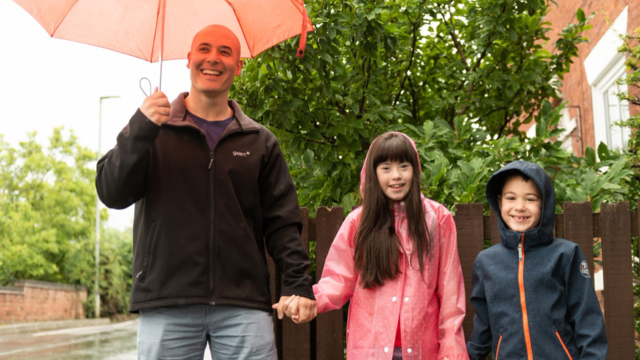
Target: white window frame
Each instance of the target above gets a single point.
(603, 67)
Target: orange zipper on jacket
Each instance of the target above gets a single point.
(565, 348)
(523, 303)
(498, 348)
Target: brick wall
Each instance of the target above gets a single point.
(576, 89)
(30, 300)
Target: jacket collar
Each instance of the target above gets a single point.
(178, 116)
(533, 237)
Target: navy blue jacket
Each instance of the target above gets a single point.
(560, 308)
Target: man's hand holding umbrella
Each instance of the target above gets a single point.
(156, 107)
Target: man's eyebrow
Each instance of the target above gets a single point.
(226, 47)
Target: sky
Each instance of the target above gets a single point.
(47, 83)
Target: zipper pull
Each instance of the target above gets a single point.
(211, 162)
(520, 250)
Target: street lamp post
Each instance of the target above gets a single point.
(96, 289)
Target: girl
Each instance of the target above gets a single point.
(396, 259)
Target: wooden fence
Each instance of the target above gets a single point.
(322, 339)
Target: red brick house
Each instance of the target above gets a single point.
(590, 87)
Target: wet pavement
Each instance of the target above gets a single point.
(103, 342)
(112, 341)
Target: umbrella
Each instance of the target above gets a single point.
(157, 30)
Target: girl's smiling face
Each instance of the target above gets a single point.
(395, 179)
(520, 204)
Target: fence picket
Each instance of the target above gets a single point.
(618, 280)
(495, 232)
(578, 227)
(298, 344)
(329, 338)
(469, 226)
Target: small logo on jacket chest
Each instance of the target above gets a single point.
(584, 269)
(241, 153)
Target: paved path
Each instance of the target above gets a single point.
(111, 341)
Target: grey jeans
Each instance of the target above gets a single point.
(182, 332)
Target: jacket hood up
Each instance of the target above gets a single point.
(536, 236)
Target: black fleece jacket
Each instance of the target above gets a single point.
(203, 219)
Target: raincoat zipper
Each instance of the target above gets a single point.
(523, 303)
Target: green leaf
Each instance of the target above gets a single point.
(590, 156)
(580, 15)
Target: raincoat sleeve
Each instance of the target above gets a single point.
(584, 312)
(283, 223)
(339, 276)
(122, 173)
(450, 290)
(479, 345)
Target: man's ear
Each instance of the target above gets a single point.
(239, 67)
(189, 60)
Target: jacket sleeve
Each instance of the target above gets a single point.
(282, 222)
(479, 345)
(584, 314)
(339, 276)
(122, 172)
(450, 290)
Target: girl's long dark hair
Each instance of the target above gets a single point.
(377, 245)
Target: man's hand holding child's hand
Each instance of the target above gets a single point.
(299, 309)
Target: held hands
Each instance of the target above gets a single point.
(299, 309)
(156, 107)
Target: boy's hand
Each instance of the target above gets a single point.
(156, 107)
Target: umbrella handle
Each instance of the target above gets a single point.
(141, 88)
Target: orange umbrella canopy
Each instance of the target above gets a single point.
(156, 30)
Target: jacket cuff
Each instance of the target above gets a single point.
(304, 292)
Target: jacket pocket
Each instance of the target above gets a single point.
(498, 348)
(563, 345)
(148, 247)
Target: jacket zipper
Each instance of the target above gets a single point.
(212, 240)
(498, 348)
(213, 208)
(523, 303)
(563, 346)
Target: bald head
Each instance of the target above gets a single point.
(217, 32)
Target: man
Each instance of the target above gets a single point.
(209, 185)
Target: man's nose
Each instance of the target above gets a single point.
(213, 57)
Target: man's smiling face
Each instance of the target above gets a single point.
(214, 61)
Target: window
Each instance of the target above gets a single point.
(615, 110)
(604, 67)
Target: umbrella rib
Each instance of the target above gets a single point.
(241, 28)
(65, 16)
(155, 33)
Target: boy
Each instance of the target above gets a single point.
(532, 292)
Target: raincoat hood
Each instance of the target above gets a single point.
(536, 236)
(366, 160)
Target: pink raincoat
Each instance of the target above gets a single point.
(431, 311)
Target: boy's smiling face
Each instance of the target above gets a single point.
(520, 204)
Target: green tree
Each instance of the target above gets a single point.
(47, 220)
(472, 71)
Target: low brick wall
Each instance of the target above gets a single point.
(30, 300)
